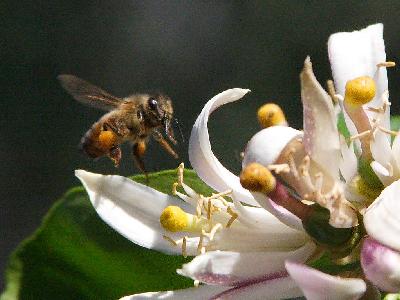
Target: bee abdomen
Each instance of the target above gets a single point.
(90, 143)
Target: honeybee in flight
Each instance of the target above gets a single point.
(131, 119)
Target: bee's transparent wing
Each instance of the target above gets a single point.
(88, 93)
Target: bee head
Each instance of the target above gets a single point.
(160, 108)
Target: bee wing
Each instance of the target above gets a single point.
(88, 93)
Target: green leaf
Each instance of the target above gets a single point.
(75, 255)
(395, 123)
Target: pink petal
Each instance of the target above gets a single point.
(319, 123)
(381, 265)
(318, 285)
(279, 286)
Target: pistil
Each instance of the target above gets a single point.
(360, 91)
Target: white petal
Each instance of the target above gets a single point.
(382, 220)
(354, 54)
(255, 217)
(196, 293)
(266, 145)
(230, 268)
(318, 286)
(282, 287)
(381, 265)
(131, 208)
(321, 136)
(285, 216)
(201, 157)
(396, 146)
(348, 164)
(380, 148)
(240, 239)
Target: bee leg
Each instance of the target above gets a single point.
(115, 155)
(160, 139)
(138, 150)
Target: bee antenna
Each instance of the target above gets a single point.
(180, 129)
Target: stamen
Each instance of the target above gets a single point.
(214, 230)
(361, 135)
(331, 91)
(167, 238)
(209, 208)
(234, 216)
(174, 219)
(391, 132)
(222, 194)
(184, 253)
(180, 173)
(271, 114)
(359, 91)
(200, 245)
(279, 168)
(318, 182)
(292, 165)
(200, 203)
(386, 64)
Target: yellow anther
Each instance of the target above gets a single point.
(257, 178)
(107, 139)
(360, 91)
(174, 219)
(271, 114)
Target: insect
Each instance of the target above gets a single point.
(131, 119)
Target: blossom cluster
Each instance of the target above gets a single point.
(300, 195)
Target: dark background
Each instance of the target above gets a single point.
(189, 50)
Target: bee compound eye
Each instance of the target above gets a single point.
(153, 103)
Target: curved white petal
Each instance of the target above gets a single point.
(381, 265)
(281, 213)
(382, 173)
(195, 293)
(281, 287)
(267, 144)
(131, 208)
(348, 164)
(201, 157)
(317, 285)
(231, 268)
(319, 123)
(354, 54)
(382, 220)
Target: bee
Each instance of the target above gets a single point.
(132, 119)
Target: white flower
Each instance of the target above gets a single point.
(256, 246)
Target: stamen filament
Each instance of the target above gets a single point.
(167, 238)
(386, 64)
